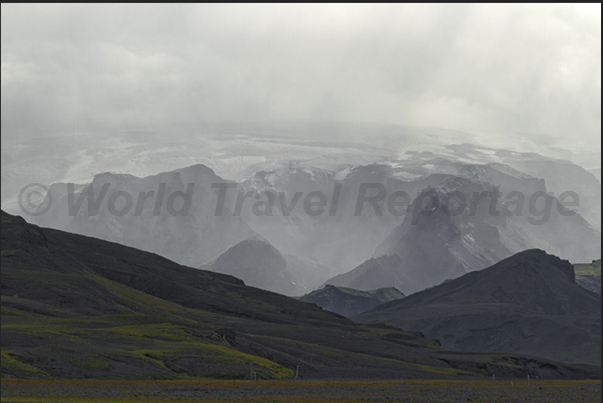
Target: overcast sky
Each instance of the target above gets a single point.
(481, 68)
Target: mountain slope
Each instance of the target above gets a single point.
(445, 235)
(433, 244)
(559, 175)
(528, 303)
(77, 307)
(346, 238)
(373, 274)
(349, 302)
(153, 224)
(258, 264)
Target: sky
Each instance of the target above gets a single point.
(478, 68)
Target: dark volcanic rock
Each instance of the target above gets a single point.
(528, 303)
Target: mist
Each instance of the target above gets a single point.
(486, 69)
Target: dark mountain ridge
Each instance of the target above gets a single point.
(80, 307)
(528, 303)
(443, 237)
(349, 302)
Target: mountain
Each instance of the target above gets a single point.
(528, 303)
(440, 239)
(80, 307)
(337, 238)
(321, 249)
(373, 274)
(344, 236)
(196, 236)
(74, 306)
(559, 175)
(308, 274)
(258, 264)
(588, 275)
(540, 217)
(436, 244)
(596, 172)
(563, 176)
(348, 302)
(236, 151)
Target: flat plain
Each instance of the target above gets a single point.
(34, 391)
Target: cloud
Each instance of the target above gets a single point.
(483, 68)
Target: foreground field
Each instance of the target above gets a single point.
(27, 391)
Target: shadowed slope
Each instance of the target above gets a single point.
(528, 303)
(75, 307)
(349, 302)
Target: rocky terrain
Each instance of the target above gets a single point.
(528, 303)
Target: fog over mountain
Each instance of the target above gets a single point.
(257, 263)
(347, 241)
(439, 244)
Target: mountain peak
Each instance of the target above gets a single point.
(258, 264)
(199, 168)
(537, 258)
